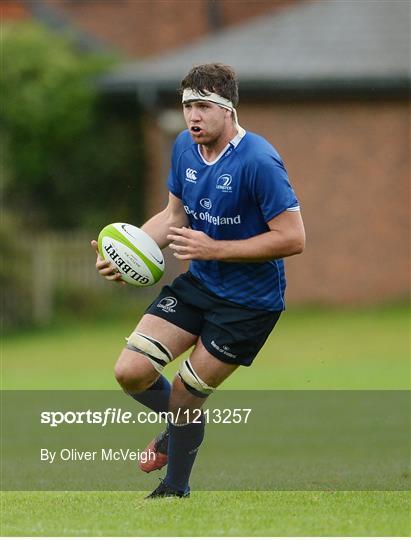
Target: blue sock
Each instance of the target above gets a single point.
(156, 397)
(182, 450)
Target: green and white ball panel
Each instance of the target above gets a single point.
(135, 254)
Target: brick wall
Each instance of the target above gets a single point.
(13, 11)
(239, 11)
(138, 28)
(349, 164)
(149, 27)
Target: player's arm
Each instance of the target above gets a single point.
(173, 215)
(286, 237)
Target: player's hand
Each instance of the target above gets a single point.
(191, 245)
(106, 269)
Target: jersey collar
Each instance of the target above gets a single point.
(232, 144)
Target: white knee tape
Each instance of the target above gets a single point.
(158, 354)
(192, 381)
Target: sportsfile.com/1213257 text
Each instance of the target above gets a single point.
(113, 415)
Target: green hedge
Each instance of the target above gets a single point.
(71, 158)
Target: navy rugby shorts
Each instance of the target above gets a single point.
(231, 332)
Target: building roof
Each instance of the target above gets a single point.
(55, 19)
(320, 44)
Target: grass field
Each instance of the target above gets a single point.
(309, 350)
(253, 513)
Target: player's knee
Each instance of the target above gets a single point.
(141, 362)
(192, 382)
(132, 379)
(154, 351)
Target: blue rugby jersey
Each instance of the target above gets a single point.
(233, 198)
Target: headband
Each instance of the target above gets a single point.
(192, 95)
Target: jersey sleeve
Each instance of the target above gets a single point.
(272, 189)
(173, 183)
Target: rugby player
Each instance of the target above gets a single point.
(234, 215)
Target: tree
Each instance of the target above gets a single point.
(71, 158)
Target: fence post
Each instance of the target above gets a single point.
(42, 281)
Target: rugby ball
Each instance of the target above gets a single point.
(135, 254)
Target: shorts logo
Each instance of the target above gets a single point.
(224, 183)
(206, 203)
(167, 304)
(191, 175)
(224, 349)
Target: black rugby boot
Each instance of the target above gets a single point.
(165, 491)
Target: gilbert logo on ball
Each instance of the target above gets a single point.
(135, 254)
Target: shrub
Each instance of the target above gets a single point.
(71, 157)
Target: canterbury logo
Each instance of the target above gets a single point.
(191, 175)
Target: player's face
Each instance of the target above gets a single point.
(205, 121)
